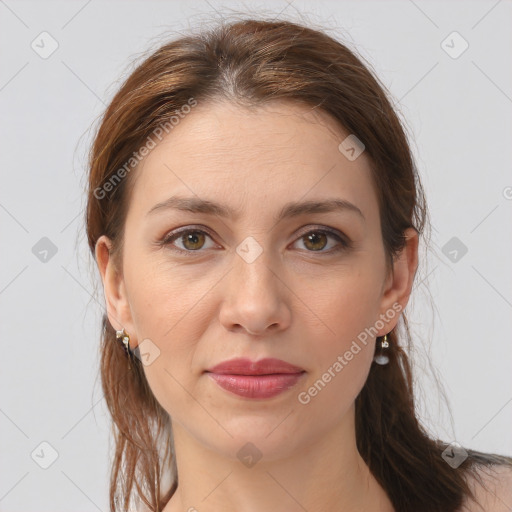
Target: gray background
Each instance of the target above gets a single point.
(457, 112)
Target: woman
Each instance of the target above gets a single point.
(255, 215)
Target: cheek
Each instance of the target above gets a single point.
(347, 301)
(339, 361)
(170, 309)
(164, 299)
(343, 349)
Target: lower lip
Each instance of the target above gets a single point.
(256, 386)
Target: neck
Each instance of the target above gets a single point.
(328, 474)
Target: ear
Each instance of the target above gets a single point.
(118, 309)
(398, 285)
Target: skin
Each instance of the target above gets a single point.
(293, 302)
(496, 496)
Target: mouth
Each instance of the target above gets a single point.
(244, 366)
(256, 379)
(257, 386)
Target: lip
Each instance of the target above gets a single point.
(244, 366)
(265, 378)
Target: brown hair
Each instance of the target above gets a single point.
(250, 63)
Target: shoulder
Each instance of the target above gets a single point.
(495, 495)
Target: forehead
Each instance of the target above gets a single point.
(246, 158)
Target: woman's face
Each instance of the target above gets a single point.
(270, 279)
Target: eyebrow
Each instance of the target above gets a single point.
(289, 210)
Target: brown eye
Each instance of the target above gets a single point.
(187, 241)
(318, 240)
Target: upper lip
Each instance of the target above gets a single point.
(244, 366)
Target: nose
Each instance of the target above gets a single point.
(255, 298)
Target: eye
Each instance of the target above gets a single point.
(192, 240)
(316, 240)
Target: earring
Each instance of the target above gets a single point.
(381, 357)
(125, 338)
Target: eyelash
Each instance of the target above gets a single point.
(344, 242)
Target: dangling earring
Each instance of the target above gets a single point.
(125, 338)
(381, 357)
